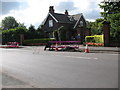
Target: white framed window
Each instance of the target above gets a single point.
(50, 23)
(81, 23)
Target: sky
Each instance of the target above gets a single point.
(35, 11)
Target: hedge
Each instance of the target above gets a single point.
(13, 35)
(35, 41)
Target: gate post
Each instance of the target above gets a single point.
(106, 31)
(21, 39)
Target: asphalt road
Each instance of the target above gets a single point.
(49, 69)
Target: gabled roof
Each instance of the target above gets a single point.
(75, 19)
(62, 18)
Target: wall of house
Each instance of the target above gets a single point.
(68, 27)
(81, 30)
(48, 29)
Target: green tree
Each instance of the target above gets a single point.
(9, 23)
(21, 25)
(40, 32)
(96, 27)
(112, 14)
(32, 28)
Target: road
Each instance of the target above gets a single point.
(49, 69)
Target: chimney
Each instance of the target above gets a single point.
(51, 9)
(66, 12)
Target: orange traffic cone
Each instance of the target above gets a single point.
(86, 48)
(56, 49)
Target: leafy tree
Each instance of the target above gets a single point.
(21, 25)
(96, 27)
(109, 9)
(32, 28)
(40, 32)
(9, 23)
(112, 14)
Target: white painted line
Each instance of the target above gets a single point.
(83, 57)
(113, 54)
(77, 57)
(95, 58)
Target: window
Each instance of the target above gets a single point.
(50, 23)
(81, 23)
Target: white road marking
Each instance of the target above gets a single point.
(95, 58)
(113, 54)
(77, 57)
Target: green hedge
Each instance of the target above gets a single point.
(32, 41)
(13, 35)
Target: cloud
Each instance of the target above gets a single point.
(93, 11)
(8, 6)
(35, 11)
(89, 8)
(66, 5)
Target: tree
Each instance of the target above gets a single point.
(112, 14)
(21, 25)
(9, 23)
(96, 27)
(40, 32)
(109, 8)
(32, 28)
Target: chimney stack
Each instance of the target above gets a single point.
(51, 9)
(66, 12)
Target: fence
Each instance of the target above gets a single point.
(96, 40)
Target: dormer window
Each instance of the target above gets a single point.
(81, 23)
(50, 23)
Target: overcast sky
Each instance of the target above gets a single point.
(34, 11)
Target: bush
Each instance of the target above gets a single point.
(34, 41)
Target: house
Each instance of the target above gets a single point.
(75, 24)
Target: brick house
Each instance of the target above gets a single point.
(75, 24)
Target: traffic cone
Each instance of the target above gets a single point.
(86, 48)
(56, 49)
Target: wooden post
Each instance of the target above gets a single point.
(21, 39)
